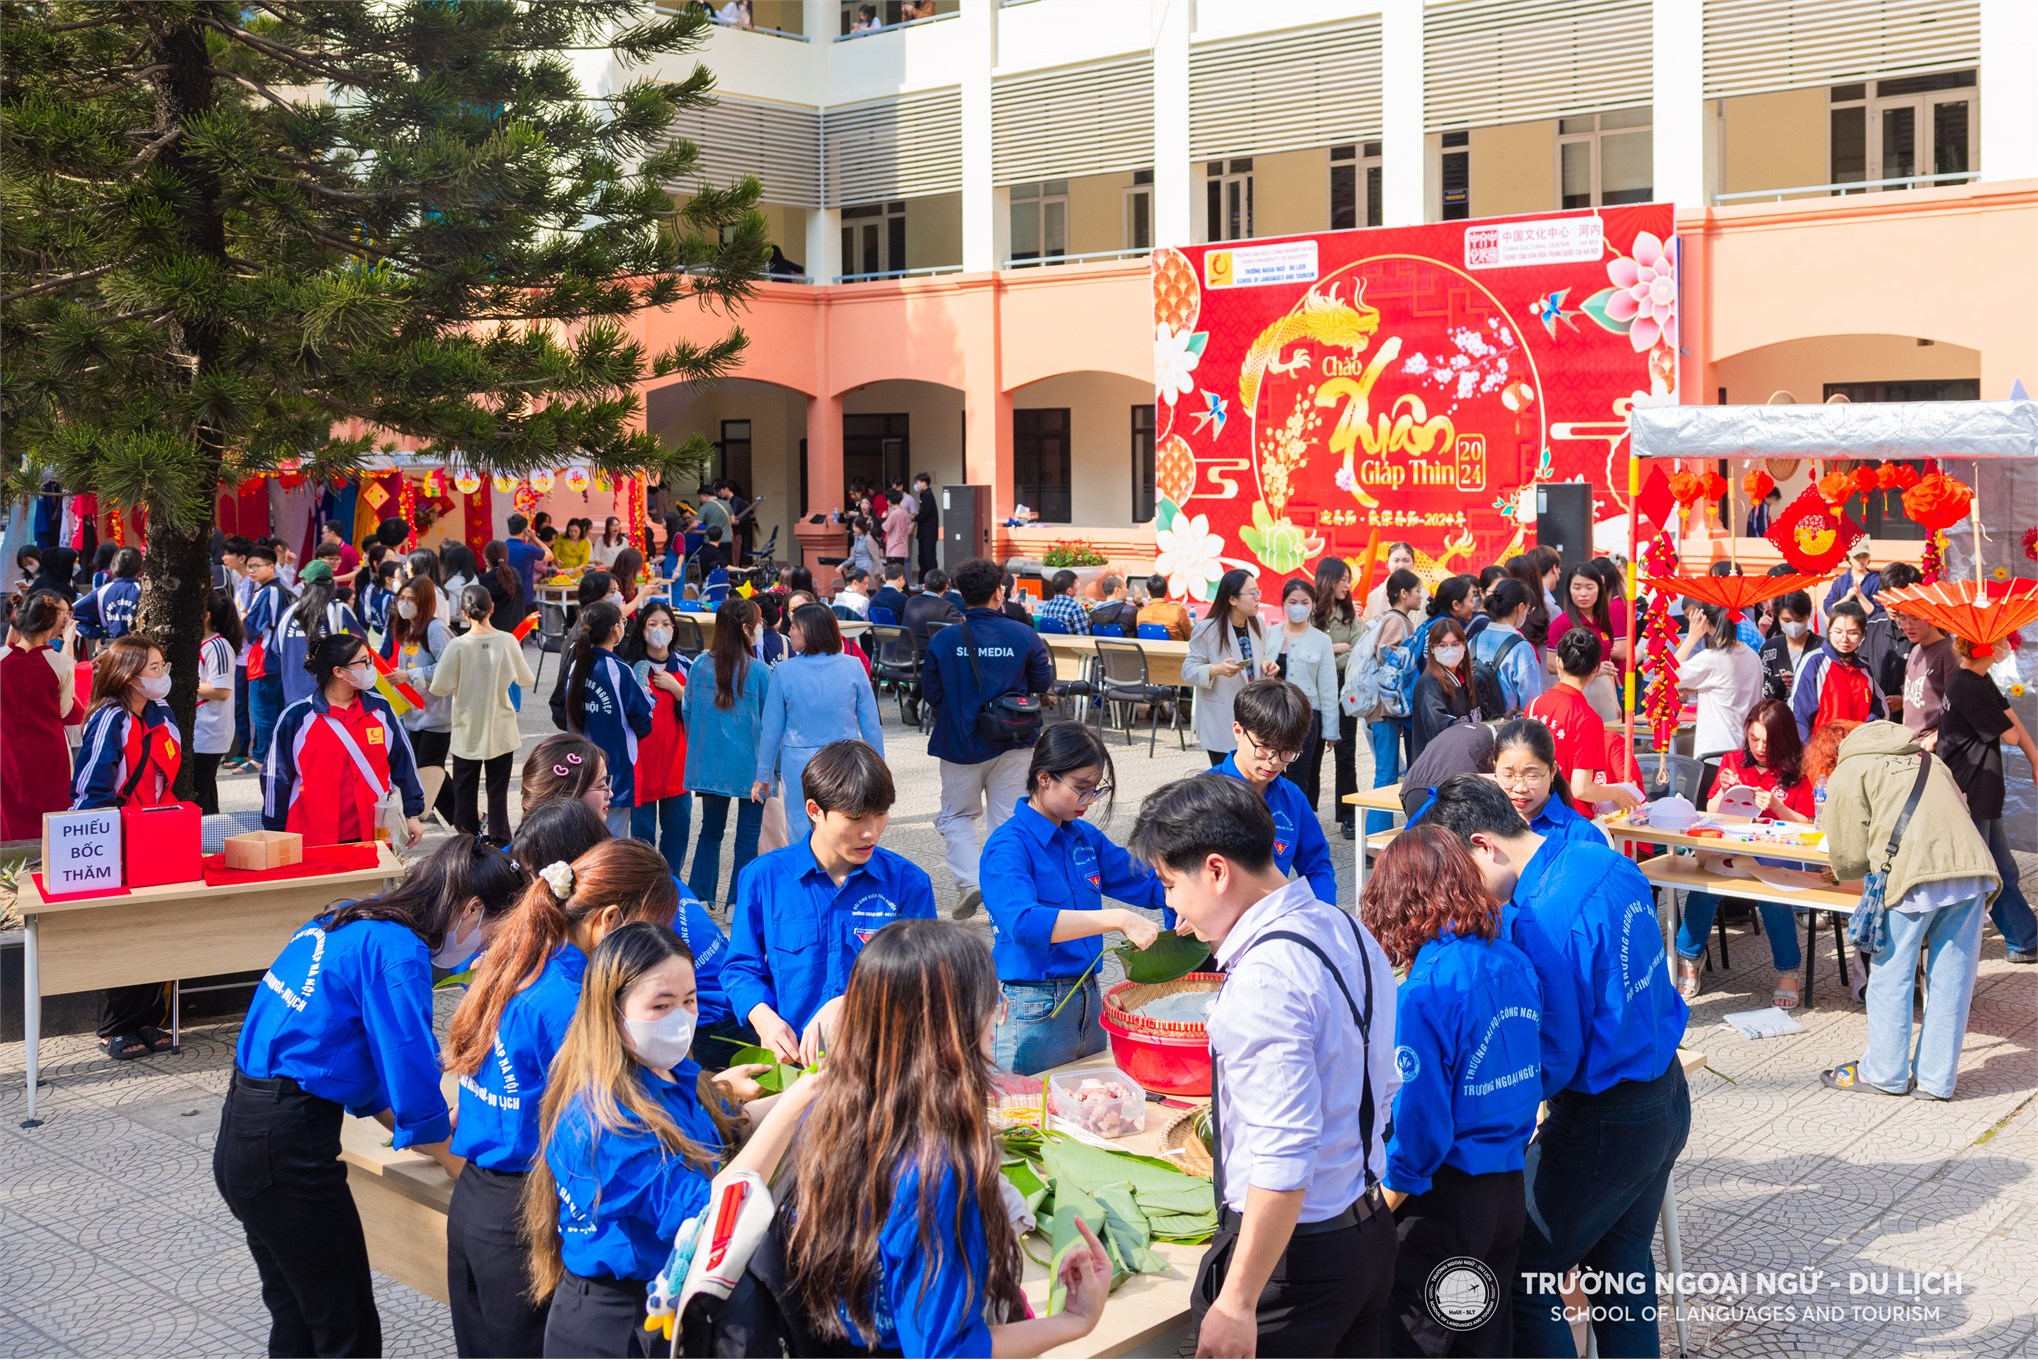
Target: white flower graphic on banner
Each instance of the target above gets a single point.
(1188, 555)
(1175, 354)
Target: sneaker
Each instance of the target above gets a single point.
(2022, 955)
(1348, 830)
(966, 906)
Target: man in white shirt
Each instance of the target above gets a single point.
(855, 581)
(1302, 1054)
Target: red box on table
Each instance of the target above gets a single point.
(161, 844)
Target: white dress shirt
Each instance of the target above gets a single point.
(1293, 1068)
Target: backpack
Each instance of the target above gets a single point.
(1373, 680)
(1410, 659)
(1486, 687)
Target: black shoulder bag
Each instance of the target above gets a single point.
(1007, 719)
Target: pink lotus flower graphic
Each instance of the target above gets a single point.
(1644, 292)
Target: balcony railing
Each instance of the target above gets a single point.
(945, 9)
(675, 7)
(1852, 186)
(928, 272)
(1041, 260)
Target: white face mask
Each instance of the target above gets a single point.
(407, 609)
(1793, 631)
(615, 597)
(154, 686)
(360, 677)
(658, 637)
(457, 949)
(1298, 611)
(1450, 656)
(662, 1043)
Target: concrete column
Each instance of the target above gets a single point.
(2009, 93)
(1173, 176)
(979, 25)
(824, 455)
(1403, 161)
(1677, 88)
(821, 22)
(824, 244)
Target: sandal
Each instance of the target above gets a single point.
(1786, 997)
(1687, 979)
(126, 1047)
(159, 1040)
(1847, 1077)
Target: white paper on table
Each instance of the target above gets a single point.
(1768, 1023)
(1609, 807)
(1788, 880)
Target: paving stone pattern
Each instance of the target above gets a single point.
(113, 1240)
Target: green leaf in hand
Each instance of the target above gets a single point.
(1170, 956)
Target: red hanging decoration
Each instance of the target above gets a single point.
(1864, 478)
(1687, 488)
(407, 509)
(1758, 484)
(1812, 534)
(1662, 704)
(1715, 486)
(1836, 487)
(115, 532)
(1938, 501)
(1931, 566)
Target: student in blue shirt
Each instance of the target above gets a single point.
(1272, 722)
(1466, 1022)
(1046, 873)
(1619, 1110)
(804, 913)
(902, 1243)
(500, 1047)
(1502, 646)
(108, 612)
(818, 695)
(605, 704)
(262, 626)
(316, 616)
(1525, 767)
(342, 1023)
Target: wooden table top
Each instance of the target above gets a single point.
(1386, 798)
(1621, 829)
(1683, 871)
(30, 902)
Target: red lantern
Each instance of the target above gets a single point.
(1758, 484)
(1906, 476)
(1938, 501)
(1715, 486)
(1836, 487)
(1864, 478)
(1687, 488)
(1885, 476)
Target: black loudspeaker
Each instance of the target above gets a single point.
(965, 524)
(1564, 520)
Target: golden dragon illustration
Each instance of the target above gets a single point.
(1321, 318)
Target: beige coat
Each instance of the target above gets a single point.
(1866, 793)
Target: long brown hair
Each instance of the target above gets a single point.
(595, 1065)
(630, 875)
(117, 666)
(420, 591)
(729, 654)
(1822, 752)
(1329, 573)
(1443, 630)
(1424, 883)
(908, 1084)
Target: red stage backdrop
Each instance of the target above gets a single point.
(1420, 381)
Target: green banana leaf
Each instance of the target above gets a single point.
(1064, 1237)
(1170, 956)
(780, 1074)
(1125, 1231)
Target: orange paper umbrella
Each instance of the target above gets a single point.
(1982, 612)
(1735, 593)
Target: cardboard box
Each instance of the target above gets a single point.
(161, 844)
(264, 850)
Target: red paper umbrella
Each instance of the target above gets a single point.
(1735, 593)
(1984, 613)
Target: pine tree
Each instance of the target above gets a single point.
(239, 236)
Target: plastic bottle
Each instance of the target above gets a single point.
(1819, 802)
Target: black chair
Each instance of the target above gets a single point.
(1125, 681)
(687, 636)
(895, 656)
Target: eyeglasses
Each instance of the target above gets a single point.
(1522, 779)
(1275, 757)
(1085, 797)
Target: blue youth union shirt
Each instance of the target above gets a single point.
(1559, 822)
(1299, 846)
(795, 934)
(710, 952)
(499, 1104)
(1033, 870)
(347, 1015)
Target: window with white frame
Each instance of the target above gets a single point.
(1139, 211)
(1898, 129)
(1354, 185)
(1605, 158)
(1040, 220)
(1228, 199)
(874, 238)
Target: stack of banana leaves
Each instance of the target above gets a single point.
(1130, 1201)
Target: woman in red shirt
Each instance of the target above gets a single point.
(1588, 604)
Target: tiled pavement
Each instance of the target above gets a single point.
(114, 1242)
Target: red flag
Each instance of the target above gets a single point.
(523, 630)
(385, 669)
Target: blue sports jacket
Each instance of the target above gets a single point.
(1011, 657)
(618, 715)
(108, 612)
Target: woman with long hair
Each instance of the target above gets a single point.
(340, 754)
(1046, 872)
(505, 588)
(1535, 626)
(571, 550)
(1525, 767)
(900, 1237)
(1503, 645)
(475, 675)
(624, 571)
(39, 676)
(1386, 729)
(1587, 606)
(612, 541)
(343, 1023)
(1443, 693)
(456, 559)
(317, 615)
(212, 726)
(663, 813)
(724, 712)
(415, 640)
(1342, 623)
(1228, 649)
(1467, 1034)
(511, 1022)
(566, 766)
(605, 704)
(817, 696)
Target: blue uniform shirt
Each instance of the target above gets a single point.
(1033, 870)
(710, 951)
(948, 1318)
(1557, 821)
(795, 934)
(1466, 1036)
(1586, 918)
(499, 1104)
(622, 1193)
(347, 1015)
(1299, 846)
(618, 714)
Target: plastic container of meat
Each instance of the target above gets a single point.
(1101, 1101)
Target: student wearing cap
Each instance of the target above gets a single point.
(1302, 1073)
(1271, 722)
(1619, 1110)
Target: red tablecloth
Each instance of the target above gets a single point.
(73, 897)
(318, 859)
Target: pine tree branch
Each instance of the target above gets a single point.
(252, 87)
(61, 281)
(308, 63)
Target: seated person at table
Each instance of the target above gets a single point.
(340, 753)
(1159, 609)
(1525, 767)
(1575, 726)
(1271, 721)
(805, 912)
(891, 596)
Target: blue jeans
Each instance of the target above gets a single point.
(666, 824)
(1029, 1042)
(2011, 913)
(1950, 939)
(1779, 923)
(243, 724)
(706, 877)
(265, 704)
(1597, 1171)
(1385, 736)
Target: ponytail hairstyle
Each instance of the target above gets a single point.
(729, 653)
(1720, 632)
(433, 892)
(1533, 737)
(1507, 595)
(333, 652)
(627, 876)
(313, 596)
(476, 603)
(222, 618)
(561, 766)
(1536, 627)
(597, 621)
(506, 579)
(1066, 748)
(1449, 595)
(596, 1068)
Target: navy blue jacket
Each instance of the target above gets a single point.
(1011, 658)
(108, 611)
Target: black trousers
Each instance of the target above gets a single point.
(487, 1283)
(927, 550)
(1307, 771)
(430, 749)
(1216, 758)
(127, 1010)
(1329, 1293)
(205, 780)
(277, 1166)
(1347, 766)
(1435, 1311)
(467, 778)
(600, 1318)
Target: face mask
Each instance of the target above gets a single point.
(457, 949)
(154, 686)
(1450, 656)
(407, 609)
(615, 597)
(1793, 631)
(360, 677)
(662, 1043)
(1298, 612)
(658, 637)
